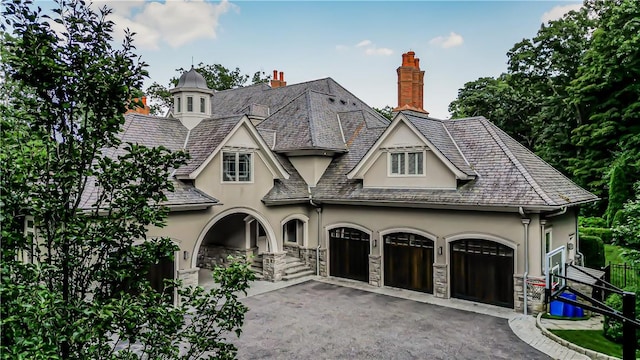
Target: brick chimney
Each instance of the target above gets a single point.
(144, 109)
(278, 82)
(410, 84)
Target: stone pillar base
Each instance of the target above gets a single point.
(535, 294)
(441, 281)
(273, 265)
(375, 271)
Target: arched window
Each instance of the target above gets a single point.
(292, 231)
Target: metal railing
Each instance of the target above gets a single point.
(622, 275)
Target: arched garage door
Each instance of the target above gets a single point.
(349, 254)
(408, 262)
(482, 270)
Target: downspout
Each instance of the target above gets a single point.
(578, 241)
(319, 211)
(559, 212)
(525, 222)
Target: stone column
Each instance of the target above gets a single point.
(440, 281)
(375, 271)
(324, 270)
(518, 293)
(273, 265)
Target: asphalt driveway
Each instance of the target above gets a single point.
(315, 320)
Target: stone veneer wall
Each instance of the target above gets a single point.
(273, 265)
(211, 256)
(375, 270)
(308, 256)
(440, 283)
(293, 250)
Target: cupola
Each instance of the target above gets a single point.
(191, 99)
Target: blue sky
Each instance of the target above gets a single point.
(357, 43)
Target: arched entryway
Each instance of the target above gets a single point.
(349, 249)
(482, 271)
(236, 232)
(408, 261)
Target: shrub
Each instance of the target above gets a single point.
(603, 233)
(593, 249)
(613, 328)
(592, 222)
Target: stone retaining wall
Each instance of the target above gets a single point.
(211, 256)
(293, 250)
(308, 256)
(273, 265)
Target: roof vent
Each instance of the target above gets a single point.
(332, 100)
(343, 102)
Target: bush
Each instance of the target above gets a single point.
(593, 249)
(613, 328)
(618, 218)
(603, 233)
(592, 222)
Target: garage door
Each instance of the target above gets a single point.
(349, 254)
(408, 262)
(482, 271)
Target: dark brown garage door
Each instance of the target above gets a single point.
(349, 254)
(482, 270)
(408, 262)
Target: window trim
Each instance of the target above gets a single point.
(405, 154)
(189, 103)
(237, 154)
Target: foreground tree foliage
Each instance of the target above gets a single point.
(572, 95)
(75, 286)
(217, 76)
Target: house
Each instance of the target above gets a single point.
(310, 179)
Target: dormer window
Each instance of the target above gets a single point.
(202, 105)
(409, 163)
(190, 103)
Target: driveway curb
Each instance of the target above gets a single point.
(590, 353)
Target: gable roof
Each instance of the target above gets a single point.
(434, 135)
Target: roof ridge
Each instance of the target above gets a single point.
(310, 120)
(536, 187)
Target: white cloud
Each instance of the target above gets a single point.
(378, 51)
(368, 48)
(173, 22)
(558, 11)
(452, 40)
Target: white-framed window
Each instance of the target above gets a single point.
(292, 231)
(202, 105)
(190, 103)
(237, 166)
(27, 256)
(406, 163)
(548, 241)
(178, 104)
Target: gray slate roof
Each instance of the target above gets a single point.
(205, 138)
(153, 131)
(508, 174)
(322, 115)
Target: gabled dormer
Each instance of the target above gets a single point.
(414, 152)
(191, 99)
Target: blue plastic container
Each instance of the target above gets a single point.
(569, 310)
(578, 312)
(556, 308)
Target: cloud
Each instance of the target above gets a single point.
(446, 42)
(175, 23)
(368, 48)
(378, 51)
(558, 11)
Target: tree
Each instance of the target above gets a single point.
(386, 111)
(217, 76)
(74, 285)
(499, 101)
(627, 231)
(607, 86)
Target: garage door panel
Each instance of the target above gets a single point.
(349, 254)
(482, 271)
(408, 262)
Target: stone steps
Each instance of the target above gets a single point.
(297, 275)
